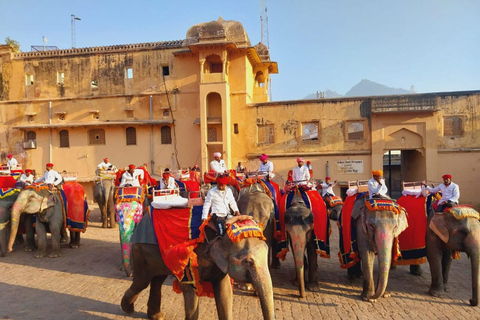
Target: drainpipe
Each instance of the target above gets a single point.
(328, 169)
(50, 122)
(152, 162)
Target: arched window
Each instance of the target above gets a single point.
(212, 134)
(260, 79)
(31, 136)
(64, 141)
(96, 136)
(166, 133)
(131, 133)
(355, 131)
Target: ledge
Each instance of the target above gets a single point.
(310, 154)
(91, 124)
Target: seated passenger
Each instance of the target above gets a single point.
(130, 178)
(218, 165)
(376, 185)
(327, 187)
(50, 177)
(266, 166)
(300, 174)
(167, 182)
(450, 193)
(105, 165)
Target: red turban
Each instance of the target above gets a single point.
(263, 157)
(105, 159)
(328, 178)
(132, 166)
(308, 162)
(50, 165)
(29, 171)
(222, 179)
(447, 176)
(300, 160)
(10, 156)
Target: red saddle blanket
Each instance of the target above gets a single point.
(7, 182)
(76, 206)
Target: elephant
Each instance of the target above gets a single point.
(376, 232)
(453, 235)
(299, 228)
(253, 201)
(333, 212)
(103, 195)
(218, 260)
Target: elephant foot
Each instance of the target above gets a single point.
(367, 299)
(245, 286)
(474, 302)
(64, 239)
(54, 255)
(446, 288)
(39, 255)
(29, 249)
(313, 286)
(74, 246)
(156, 316)
(386, 294)
(121, 267)
(19, 239)
(436, 293)
(104, 225)
(416, 270)
(127, 307)
(113, 226)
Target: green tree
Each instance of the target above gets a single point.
(13, 44)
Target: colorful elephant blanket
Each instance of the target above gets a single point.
(188, 186)
(321, 223)
(383, 205)
(76, 206)
(7, 192)
(129, 194)
(463, 212)
(348, 253)
(412, 240)
(333, 201)
(240, 230)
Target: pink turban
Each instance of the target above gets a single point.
(217, 155)
(263, 157)
(300, 160)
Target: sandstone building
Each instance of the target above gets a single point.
(174, 103)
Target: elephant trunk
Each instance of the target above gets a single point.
(15, 221)
(384, 243)
(262, 282)
(475, 261)
(298, 242)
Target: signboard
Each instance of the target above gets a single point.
(349, 166)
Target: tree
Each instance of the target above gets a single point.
(13, 44)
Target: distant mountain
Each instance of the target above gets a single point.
(370, 88)
(363, 88)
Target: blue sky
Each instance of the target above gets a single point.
(431, 44)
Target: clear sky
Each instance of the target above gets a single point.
(318, 44)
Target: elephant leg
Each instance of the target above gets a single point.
(155, 297)
(434, 255)
(222, 290)
(29, 233)
(55, 231)
(312, 282)
(190, 300)
(110, 206)
(140, 283)
(367, 259)
(63, 235)
(275, 263)
(74, 239)
(475, 262)
(42, 239)
(103, 212)
(416, 270)
(446, 263)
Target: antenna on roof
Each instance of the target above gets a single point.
(264, 23)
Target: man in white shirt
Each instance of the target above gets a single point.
(240, 168)
(266, 166)
(105, 165)
(327, 187)
(130, 178)
(220, 199)
(12, 162)
(167, 182)
(25, 179)
(300, 174)
(450, 193)
(50, 177)
(376, 185)
(218, 165)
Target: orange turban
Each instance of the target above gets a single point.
(377, 173)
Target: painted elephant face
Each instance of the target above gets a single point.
(390, 222)
(30, 202)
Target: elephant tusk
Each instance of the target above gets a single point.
(3, 225)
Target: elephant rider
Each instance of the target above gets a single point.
(376, 185)
(300, 174)
(196, 168)
(327, 187)
(130, 178)
(27, 177)
(51, 177)
(12, 162)
(105, 165)
(266, 166)
(221, 200)
(450, 193)
(167, 182)
(218, 165)
(240, 168)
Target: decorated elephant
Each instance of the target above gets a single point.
(458, 229)
(306, 225)
(378, 223)
(103, 195)
(8, 196)
(334, 206)
(244, 260)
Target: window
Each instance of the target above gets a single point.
(94, 84)
(265, 134)
(29, 79)
(30, 136)
(213, 64)
(131, 133)
(129, 73)
(96, 136)
(355, 131)
(260, 79)
(166, 113)
(452, 126)
(64, 141)
(60, 77)
(235, 128)
(212, 134)
(165, 71)
(310, 131)
(166, 133)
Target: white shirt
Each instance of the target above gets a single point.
(50, 177)
(12, 163)
(220, 201)
(105, 166)
(328, 188)
(131, 179)
(218, 166)
(267, 167)
(452, 192)
(170, 184)
(299, 174)
(24, 178)
(375, 188)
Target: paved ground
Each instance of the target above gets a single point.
(86, 284)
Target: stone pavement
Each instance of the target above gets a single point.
(86, 284)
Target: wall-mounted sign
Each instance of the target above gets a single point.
(349, 166)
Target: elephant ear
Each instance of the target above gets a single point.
(217, 254)
(402, 223)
